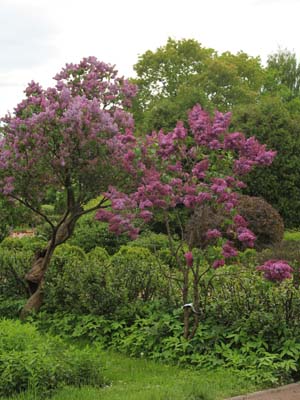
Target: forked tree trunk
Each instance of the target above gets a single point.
(36, 276)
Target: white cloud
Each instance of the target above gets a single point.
(25, 39)
(37, 37)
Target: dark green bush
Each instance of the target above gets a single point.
(40, 363)
(138, 274)
(13, 266)
(158, 244)
(96, 294)
(25, 243)
(63, 279)
(81, 283)
(11, 307)
(90, 233)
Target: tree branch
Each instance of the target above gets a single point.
(98, 205)
(35, 210)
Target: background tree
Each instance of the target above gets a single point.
(182, 73)
(272, 123)
(283, 74)
(60, 140)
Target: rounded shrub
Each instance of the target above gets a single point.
(96, 294)
(263, 220)
(99, 255)
(63, 279)
(151, 240)
(157, 243)
(90, 233)
(79, 283)
(137, 273)
(25, 243)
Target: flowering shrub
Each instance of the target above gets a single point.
(276, 270)
(188, 167)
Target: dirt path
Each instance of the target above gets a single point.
(288, 392)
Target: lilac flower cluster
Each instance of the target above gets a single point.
(189, 258)
(276, 270)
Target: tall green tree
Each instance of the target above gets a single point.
(271, 122)
(181, 73)
(283, 74)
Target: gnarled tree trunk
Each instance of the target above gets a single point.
(36, 276)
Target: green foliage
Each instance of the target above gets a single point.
(96, 295)
(63, 278)
(283, 74)
(247, 324)
(138, 274)
(29, 360)
(90, 233)
(272, 123)
(182, 73)
(158, 244)
(25, 243)
(13, 266)
(94, 283)
(292, 235)
(152, 241)
(11, 307)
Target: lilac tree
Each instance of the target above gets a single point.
(188, 167)
(62, 139)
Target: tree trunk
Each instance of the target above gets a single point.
(185, 296)
(36, 276)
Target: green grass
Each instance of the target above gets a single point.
(291, 235)
(139, 379)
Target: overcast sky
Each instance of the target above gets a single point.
(39, 36)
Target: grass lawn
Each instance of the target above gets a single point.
(139, 379)
(291, 235)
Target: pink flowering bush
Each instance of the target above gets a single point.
(276, 270)
(185, 167)
(62, 139)
(201, 163)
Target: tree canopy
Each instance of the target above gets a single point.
(61, 139)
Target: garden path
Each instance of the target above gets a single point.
(288, 392)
